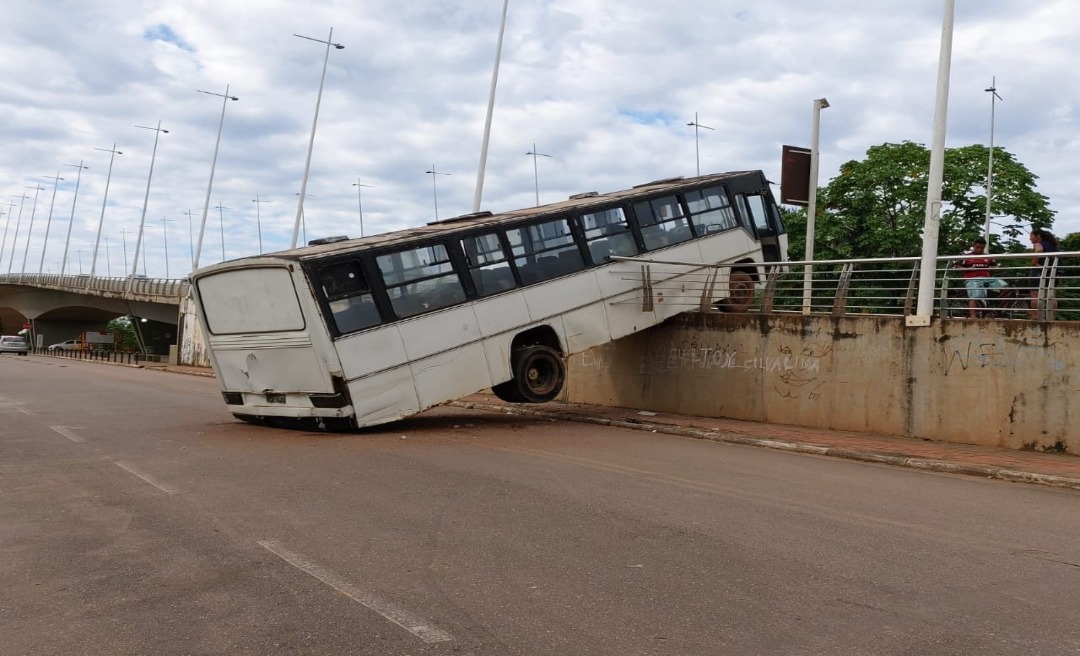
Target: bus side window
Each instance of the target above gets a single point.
(420, 280)
(348, 296)
(489, 267)
(662, 222)
(607, 233)
(543, 251)
(710, 211)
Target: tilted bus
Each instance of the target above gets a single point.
(358, 332)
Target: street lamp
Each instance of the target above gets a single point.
(108, 262)
(29, 232)
(258, 219)
(490, 110)
(146, 198)
(811, 202)
(536, 174)
(165, 236)
(221, 225)
(206, 206)
(990, 162)
(79, 253)
(104, 201)
(697, 152)
(7, 224)
(191, 238)
(434, 189)
(360, 203)
(123, 239)
(314, 122)
(71, 222)
(48, 224)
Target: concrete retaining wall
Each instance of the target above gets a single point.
(1002, 384)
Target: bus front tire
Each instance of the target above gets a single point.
(741, 288)
(539, 374)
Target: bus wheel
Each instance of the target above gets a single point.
(508, 392)
(539, 373)
(741, 287)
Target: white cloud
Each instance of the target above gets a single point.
(607, 88)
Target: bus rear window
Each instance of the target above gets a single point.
(260, 300)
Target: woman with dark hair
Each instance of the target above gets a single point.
(1042, 241)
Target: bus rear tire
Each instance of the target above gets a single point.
(741, 288)
(539, 373)
(508, 392)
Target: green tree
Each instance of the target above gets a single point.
(122, 327)
(876, 207)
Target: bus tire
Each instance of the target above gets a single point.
(539, 373)
(741, 288)
(508, 392)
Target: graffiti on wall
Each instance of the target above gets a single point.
(793, 371)
(1009, 356)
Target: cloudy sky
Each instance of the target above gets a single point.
(606, 88)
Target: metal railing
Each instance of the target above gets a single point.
(176, 288)
(886, 286)
(98, 355)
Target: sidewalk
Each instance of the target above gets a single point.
(1061, 470)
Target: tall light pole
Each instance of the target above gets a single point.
(30, 231)
(206, 205)
(104, 202)
(191, 238)
(811, 202)
(123, 239)
(990, 162)
(697, 151)
(15, 237)
(165, 236)
(536, 173)
(221, 226)
(79, 253)
(314, 122)
(434, 189)
(258, 219)
(48, 224)
(7, 224)
(490, 110)
(146, 197)
(71, 221)
(108, 262)
(928, 262)
(360, 203)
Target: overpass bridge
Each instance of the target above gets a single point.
(58, 308)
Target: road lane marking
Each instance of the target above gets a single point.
(164, 487)
(403, 618)
(68, 433)
(28, 413)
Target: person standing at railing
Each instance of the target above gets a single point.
(1042, 241)
(977, 278)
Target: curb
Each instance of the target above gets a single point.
(896, 460)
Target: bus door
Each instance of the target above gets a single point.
(764, 216)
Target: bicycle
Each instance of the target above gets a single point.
(1002, 303)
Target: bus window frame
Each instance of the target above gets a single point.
(454, 257)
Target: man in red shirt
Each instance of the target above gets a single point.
(977, 276)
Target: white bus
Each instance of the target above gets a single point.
(346, 333)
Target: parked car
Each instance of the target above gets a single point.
(69, 345)
(14, 344)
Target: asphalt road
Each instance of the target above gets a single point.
(138, 517)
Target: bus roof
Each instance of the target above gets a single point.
(471, 221)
